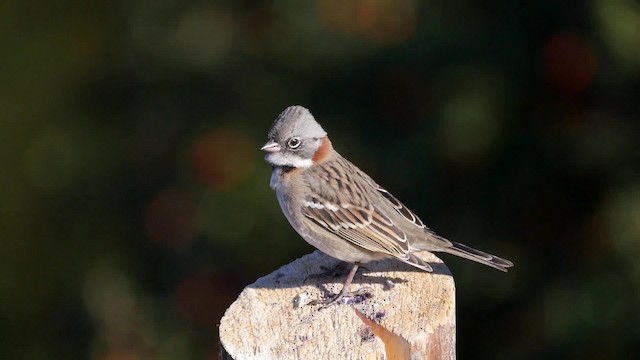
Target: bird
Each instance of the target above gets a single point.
(342, 211)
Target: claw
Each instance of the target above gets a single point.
(357, 297)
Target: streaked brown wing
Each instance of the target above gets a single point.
(363, 226)
(339, 200)
(400, 208)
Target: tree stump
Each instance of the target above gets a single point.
(401, 313)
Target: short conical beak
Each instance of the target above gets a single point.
(271, 147)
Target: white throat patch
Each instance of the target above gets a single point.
(301, 163)
(293, 161)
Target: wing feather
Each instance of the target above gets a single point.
(340, 200)
(400, 208)
(366, 227)
(347, 202)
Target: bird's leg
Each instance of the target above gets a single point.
(344, 292)
(345, 286)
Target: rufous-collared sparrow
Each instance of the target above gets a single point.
(339, 209)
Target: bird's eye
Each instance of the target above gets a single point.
(293, 143)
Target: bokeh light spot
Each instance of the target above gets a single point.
(339, 15)
(601, 140)
(559, 313)
(468, 132)
(203, 38)
(52, 160)
(112, 301)
(471, 115)
(382, 21)
(222, 158)
(622, 213)
(620, 27)
(570, 62)
(170, 218)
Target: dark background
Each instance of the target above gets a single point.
(135, 201)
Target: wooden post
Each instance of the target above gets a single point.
(405, 313)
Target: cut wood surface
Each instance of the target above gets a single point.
(401, 313)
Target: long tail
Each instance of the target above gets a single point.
(482, 257)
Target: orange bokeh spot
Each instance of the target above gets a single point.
(170, 218)
(222, 158)
(570, 62)
(383, 21)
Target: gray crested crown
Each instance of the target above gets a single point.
(295, 121)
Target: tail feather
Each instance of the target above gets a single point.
(482, 257)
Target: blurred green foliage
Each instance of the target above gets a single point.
(135, 203)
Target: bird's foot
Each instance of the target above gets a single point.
(344, 297)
